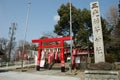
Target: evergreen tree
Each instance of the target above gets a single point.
(81, 24)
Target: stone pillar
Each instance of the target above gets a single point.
(97, 33)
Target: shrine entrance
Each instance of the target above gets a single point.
(60, 45)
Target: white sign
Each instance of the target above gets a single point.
(35, 60)
(77, 59)
(97, 33)
(42, 63)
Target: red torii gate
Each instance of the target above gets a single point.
(60, 45)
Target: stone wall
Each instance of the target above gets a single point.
(101, 75)
(117, 65)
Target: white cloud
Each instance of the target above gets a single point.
(56, 17)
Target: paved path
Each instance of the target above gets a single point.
(30, 76)
(15, 66)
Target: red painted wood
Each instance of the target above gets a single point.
(39, 54)
(62, 55)
(51, 46)
(61, 46)
(51, 39)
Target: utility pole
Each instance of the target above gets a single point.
(12, 38)
(71, 34)
(28, 10)
(119, 9)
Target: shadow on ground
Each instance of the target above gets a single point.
(3, 71)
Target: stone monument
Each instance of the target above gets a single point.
(97, 32)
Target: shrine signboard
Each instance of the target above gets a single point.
(97, 33)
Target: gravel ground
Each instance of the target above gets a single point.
(30, 73)
(11, 75)
(54, 71)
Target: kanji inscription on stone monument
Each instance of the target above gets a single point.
(97, 33)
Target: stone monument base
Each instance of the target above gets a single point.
(101, 75)
(100, 66)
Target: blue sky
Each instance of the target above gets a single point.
(41, 17)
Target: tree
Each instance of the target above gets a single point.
(117, 32)
(113, 21)
(34, 47)
(27, 46)
(106, 33)
(112, 16)
(3, 43)
(49, 35)
(115, 44)
(4, 48)
(81, 24)
(52, 35)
